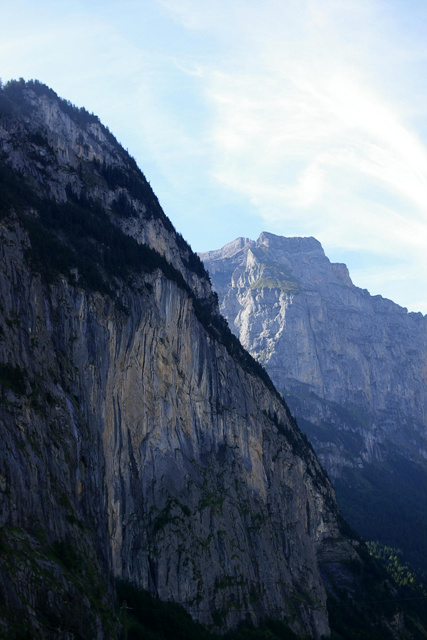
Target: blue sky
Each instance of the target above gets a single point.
(298, 117)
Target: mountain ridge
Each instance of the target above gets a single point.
(140, 441)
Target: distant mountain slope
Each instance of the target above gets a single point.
(352, 367)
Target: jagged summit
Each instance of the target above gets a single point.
(267, 239)
(291, 245)
(301, 261)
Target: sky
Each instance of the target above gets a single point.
(297, 117)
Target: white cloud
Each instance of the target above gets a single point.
(307, 111)
(315, 142)
(331, 123)
(310, 186)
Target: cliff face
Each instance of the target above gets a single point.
(352, 366)
(139, 440)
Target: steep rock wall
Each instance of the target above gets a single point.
(141, 426)
(139, 441)
(329, 346)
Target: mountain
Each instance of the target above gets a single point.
(142, 448)
(353, 370)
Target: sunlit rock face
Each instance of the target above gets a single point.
(342, 357)
(139, 440)
(352, 368)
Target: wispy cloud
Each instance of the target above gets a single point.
(306, 123)
(307, 117)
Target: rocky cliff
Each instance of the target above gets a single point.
(352, 366)
(139, 441)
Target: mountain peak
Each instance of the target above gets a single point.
(301, 260)
(290, 244)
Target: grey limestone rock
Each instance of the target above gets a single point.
(328, 345)
(353, 370)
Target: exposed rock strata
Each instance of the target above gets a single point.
(341, 356)
(353, 369)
